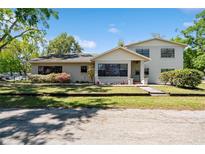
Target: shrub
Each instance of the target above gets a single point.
(62, 77)
(164, 77)
(35, 78)
(189, 78)
(50, 78)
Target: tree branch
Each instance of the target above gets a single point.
(21, 34)
(10, 28)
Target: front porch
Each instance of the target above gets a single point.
(120, 73)
(119, 66)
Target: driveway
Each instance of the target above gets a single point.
(96, 126)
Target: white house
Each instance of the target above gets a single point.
(133, 63)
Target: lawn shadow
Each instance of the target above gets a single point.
(55, 89)
(194, 89)
(88, 89)
(20, 89)
(34, 126)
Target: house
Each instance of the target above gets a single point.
(133, 63)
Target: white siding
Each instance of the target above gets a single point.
(117, 56)
(157, 63)
(73, 69)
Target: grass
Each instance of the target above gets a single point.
(70, 89)
(171, 89)
(140, 102)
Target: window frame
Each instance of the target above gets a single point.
(86, 70)
(167, 55)
(142, 51)
(104, 70)
(146, 71)
(53, 69)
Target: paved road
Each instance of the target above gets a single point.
(96, 126)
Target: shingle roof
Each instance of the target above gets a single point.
(67, 58)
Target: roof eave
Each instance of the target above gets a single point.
(140, 42)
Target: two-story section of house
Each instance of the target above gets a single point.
(164, 56)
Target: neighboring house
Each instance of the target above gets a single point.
(134, 62)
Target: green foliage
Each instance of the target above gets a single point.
(15, 58)
(9, 63)
(199, 62)
(24, 23)
(63, 44)
(188, 78)
(165, 77)
(50, 78)
(194, 36)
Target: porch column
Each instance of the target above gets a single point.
(96, 72)
(129, 70)
(129, 80)
(142, 71)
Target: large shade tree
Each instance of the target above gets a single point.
(15, 58)
(194, 36)
(29, 23)
(63, 44)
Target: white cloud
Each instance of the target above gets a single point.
(187, 24)
(113, 30)
(85, 43)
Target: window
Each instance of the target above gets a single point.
(49, 69)
(167, 53)
(112, 69)
(146, 71)
(166, 69)
(83, 69)
(144, 52)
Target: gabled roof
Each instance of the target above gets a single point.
(125, 49)
(160, 39)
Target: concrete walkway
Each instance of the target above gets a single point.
(153, 91)
(97, 126)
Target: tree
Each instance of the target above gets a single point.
(199, 63)
(194, 36)
(15, 58)
(28, 24)
(63, 44)
(120, 43)
(9, 63)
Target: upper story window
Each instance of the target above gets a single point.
(84, 69)
(49, 69)
(167, 53)
(144, 52)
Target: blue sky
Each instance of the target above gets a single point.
(98, 30)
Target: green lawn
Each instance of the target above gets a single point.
(171, 89)
(141, 102)
(71, 89)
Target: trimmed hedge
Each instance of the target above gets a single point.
(50, 78)
(187, 78)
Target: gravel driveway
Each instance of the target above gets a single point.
(97, 126)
